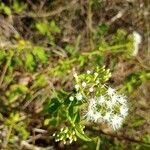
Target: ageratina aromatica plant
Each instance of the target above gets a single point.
(91, 100)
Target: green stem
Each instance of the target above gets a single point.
(98, 143)
(6, 67)
(114, 47)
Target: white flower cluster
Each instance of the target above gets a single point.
(110, 108)
(65, 135)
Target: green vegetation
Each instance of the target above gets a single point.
(55, 57)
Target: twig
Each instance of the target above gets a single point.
(52, 13)
(119, 15)
(120, 137)
(89, 23)
(25, 144)
(8, 136)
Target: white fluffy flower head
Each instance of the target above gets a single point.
(108, 108)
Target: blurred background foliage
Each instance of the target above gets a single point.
(43, 42)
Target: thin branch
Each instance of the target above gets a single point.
(52, 13)
(119, 137)
(5, 68)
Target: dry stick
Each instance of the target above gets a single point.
(121, 137)
(5, 68)
(36, 94)
(8, 136)
(52, 13)
(118, 16)
(89, 23)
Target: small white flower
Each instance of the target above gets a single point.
(101, 99)
(114, 99)
(61, 129)
(92, 104)
(79, 96)
(110, 91)
(97, 81)
(96, 116)
(89, 114)
(77, 87)
(109, 104)
(83, 84)
(91, 89)
(107, 116)
(122, 100)
(75, 75)
(71, 98)
(88, 71)
(116, 122)
(123, 111)
(96, 74)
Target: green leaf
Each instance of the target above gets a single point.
(30, 62)
(51, 121)
(80, 133)
(102, 29)
(53, 27)
(53, 106)
(40, 53)
(2, 55)
(71, 112)
(7, 10)
(77, 117)
(18, 7)
(40, 81)
(42, 27)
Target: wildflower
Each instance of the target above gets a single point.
(108, 108)
(88, 71)
(79, 96)
(107, 116)
(114, 99)
(75, 75)
(83, 84)
(109, 104)
(54, 134)
(116, 122)
(96, 116)
(77, 87)
(97, 81)
(91, 89)
(92, 103)
(101, 99)
(96, 74)
(122, 100)
(123, 111)
(71, 98)
(137, 40)
(110, 91)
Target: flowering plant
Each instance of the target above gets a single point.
(90, 100)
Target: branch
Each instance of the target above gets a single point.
(119, 137)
